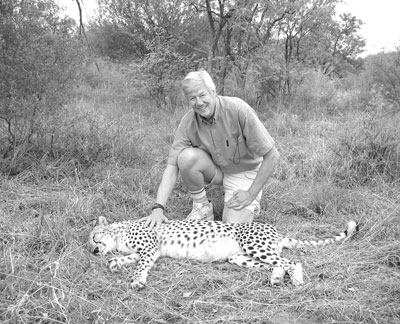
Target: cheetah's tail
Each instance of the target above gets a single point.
(352, 228)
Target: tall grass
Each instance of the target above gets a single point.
(109, 153)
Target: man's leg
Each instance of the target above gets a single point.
(244, 215)
(197, 169)
(243, 181)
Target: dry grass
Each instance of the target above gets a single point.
(48, 276)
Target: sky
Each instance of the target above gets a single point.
(381, 27)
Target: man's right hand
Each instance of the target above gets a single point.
(155, 219)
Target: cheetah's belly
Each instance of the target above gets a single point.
(207, 250)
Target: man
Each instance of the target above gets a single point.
(220, 141)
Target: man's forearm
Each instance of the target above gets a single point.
(270, 160)
(167, 184)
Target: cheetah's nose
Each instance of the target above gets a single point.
(96, 250)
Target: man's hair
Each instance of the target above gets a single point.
(203, 76)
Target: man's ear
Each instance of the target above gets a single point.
(103, 221)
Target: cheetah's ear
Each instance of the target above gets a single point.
(103, 221)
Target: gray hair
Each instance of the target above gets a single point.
(203, 76)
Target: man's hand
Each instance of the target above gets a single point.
(155, 219)
(240, 199)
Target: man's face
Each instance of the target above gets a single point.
(200, 98)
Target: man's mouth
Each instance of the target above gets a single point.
(201, 108)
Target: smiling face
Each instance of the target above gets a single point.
(201, 99)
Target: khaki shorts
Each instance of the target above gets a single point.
(242, 180)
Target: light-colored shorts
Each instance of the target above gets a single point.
(242, 180)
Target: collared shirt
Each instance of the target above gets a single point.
(235, 138)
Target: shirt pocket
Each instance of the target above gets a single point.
(235, 149)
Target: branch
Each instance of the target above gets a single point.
(81, 27)
(82, 30)
(8, 121)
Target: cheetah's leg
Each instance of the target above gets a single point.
(282, 265)
(145, 263)
(116, 263)
(275, 260)
(295, 272)
(245, 260)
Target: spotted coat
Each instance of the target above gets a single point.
(249, 245)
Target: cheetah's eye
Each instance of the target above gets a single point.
(97, 237)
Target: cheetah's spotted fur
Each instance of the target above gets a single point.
(249, 245)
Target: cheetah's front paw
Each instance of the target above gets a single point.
(297, 275)
(277, 276)
(137, 285)
(114, 264)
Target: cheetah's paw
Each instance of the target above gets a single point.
(277, 276)
(137, 285)
(114, 264)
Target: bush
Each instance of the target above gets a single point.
(369, 149)
(314, 93)
(39, 63)
(384, 71)
(162, 69)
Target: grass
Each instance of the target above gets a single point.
(111, 157)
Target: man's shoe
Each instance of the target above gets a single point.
(201, 211)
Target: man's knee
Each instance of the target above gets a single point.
(194, 158)
(237, 216)
(187, 158)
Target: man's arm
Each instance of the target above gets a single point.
(168, 181)
(268, 165)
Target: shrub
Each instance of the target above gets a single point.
(368, 149)
(384, 70)
(38, 64)
(162, 68)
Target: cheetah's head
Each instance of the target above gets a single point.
(102, 239)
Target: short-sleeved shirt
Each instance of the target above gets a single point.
(236, 139)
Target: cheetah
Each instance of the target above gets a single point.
(248, 245)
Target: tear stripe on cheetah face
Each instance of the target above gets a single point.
(249, 245)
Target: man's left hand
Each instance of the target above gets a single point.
(240, 199)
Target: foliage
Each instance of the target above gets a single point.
(234, 39)
(124, 28)
(111, 41)
(162, 67)
(383, 70)
(369, 150)
(38, 64)
(157, 40)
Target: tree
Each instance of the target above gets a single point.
(161, 39)
(241, 40)
(37, 63)
(385, 71)
(238, 30)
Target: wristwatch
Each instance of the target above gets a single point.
(157, 205)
